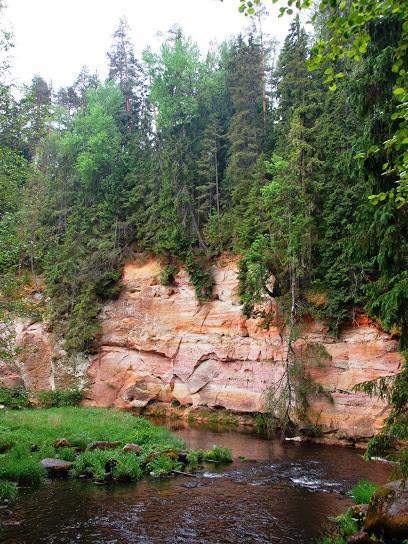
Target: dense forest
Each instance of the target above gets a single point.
(187, 155)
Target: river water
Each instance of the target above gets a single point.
(281, 493)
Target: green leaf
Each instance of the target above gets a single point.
(399, 91)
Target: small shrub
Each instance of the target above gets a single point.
(347, 524)
(162, 466)
(66, 454)
(215, 455)
(14, 398)
(218, 455)
(71, 397)
(198, 267)
(167, 274)
(128, 468)
(190, 419)
(363, 491)
(25, 472)
(58, 397)
(93, 462)
(47, 399)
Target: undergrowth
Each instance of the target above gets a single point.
(363, 491)
(28, 436)
(348, 523)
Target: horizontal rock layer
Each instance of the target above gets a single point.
(159, 343)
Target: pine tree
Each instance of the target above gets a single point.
(126, 71)
(36, 109)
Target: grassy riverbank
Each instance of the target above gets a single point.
(28, 436)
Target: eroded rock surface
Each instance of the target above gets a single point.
(56, 467)
(387, 514)
(159, 344)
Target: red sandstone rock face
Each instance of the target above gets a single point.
(159, 343)
(40, 362)
(35, 357)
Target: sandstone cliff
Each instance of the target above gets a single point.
(158, 343)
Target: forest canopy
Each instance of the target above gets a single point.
(187, 155)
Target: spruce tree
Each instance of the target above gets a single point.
(244, 82)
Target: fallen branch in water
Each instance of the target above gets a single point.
(185, 473)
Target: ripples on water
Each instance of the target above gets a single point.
(283, 493)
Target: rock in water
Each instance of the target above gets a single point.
(56, 467)
(387, 513)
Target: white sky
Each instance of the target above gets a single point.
(55, 38)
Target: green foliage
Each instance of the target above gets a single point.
(186, 156)
(349, 35)
(163, 466)
(14, 398)
(363, 491)
(198, 267)
(215, 455)
(333, 540)
(255, 274)
(59, 397)
(167, 274)
(83, 251)
(128, 468)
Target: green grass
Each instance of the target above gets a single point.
(7, 490)
(363, 491)
(333, 540)
(215, 455)
(347, 524)
(27, 436)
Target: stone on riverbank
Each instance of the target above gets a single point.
(133, 448)
(360, 538)
(62, 443)
(387, 513)
(56, 467)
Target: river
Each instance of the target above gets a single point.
(280, 493)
